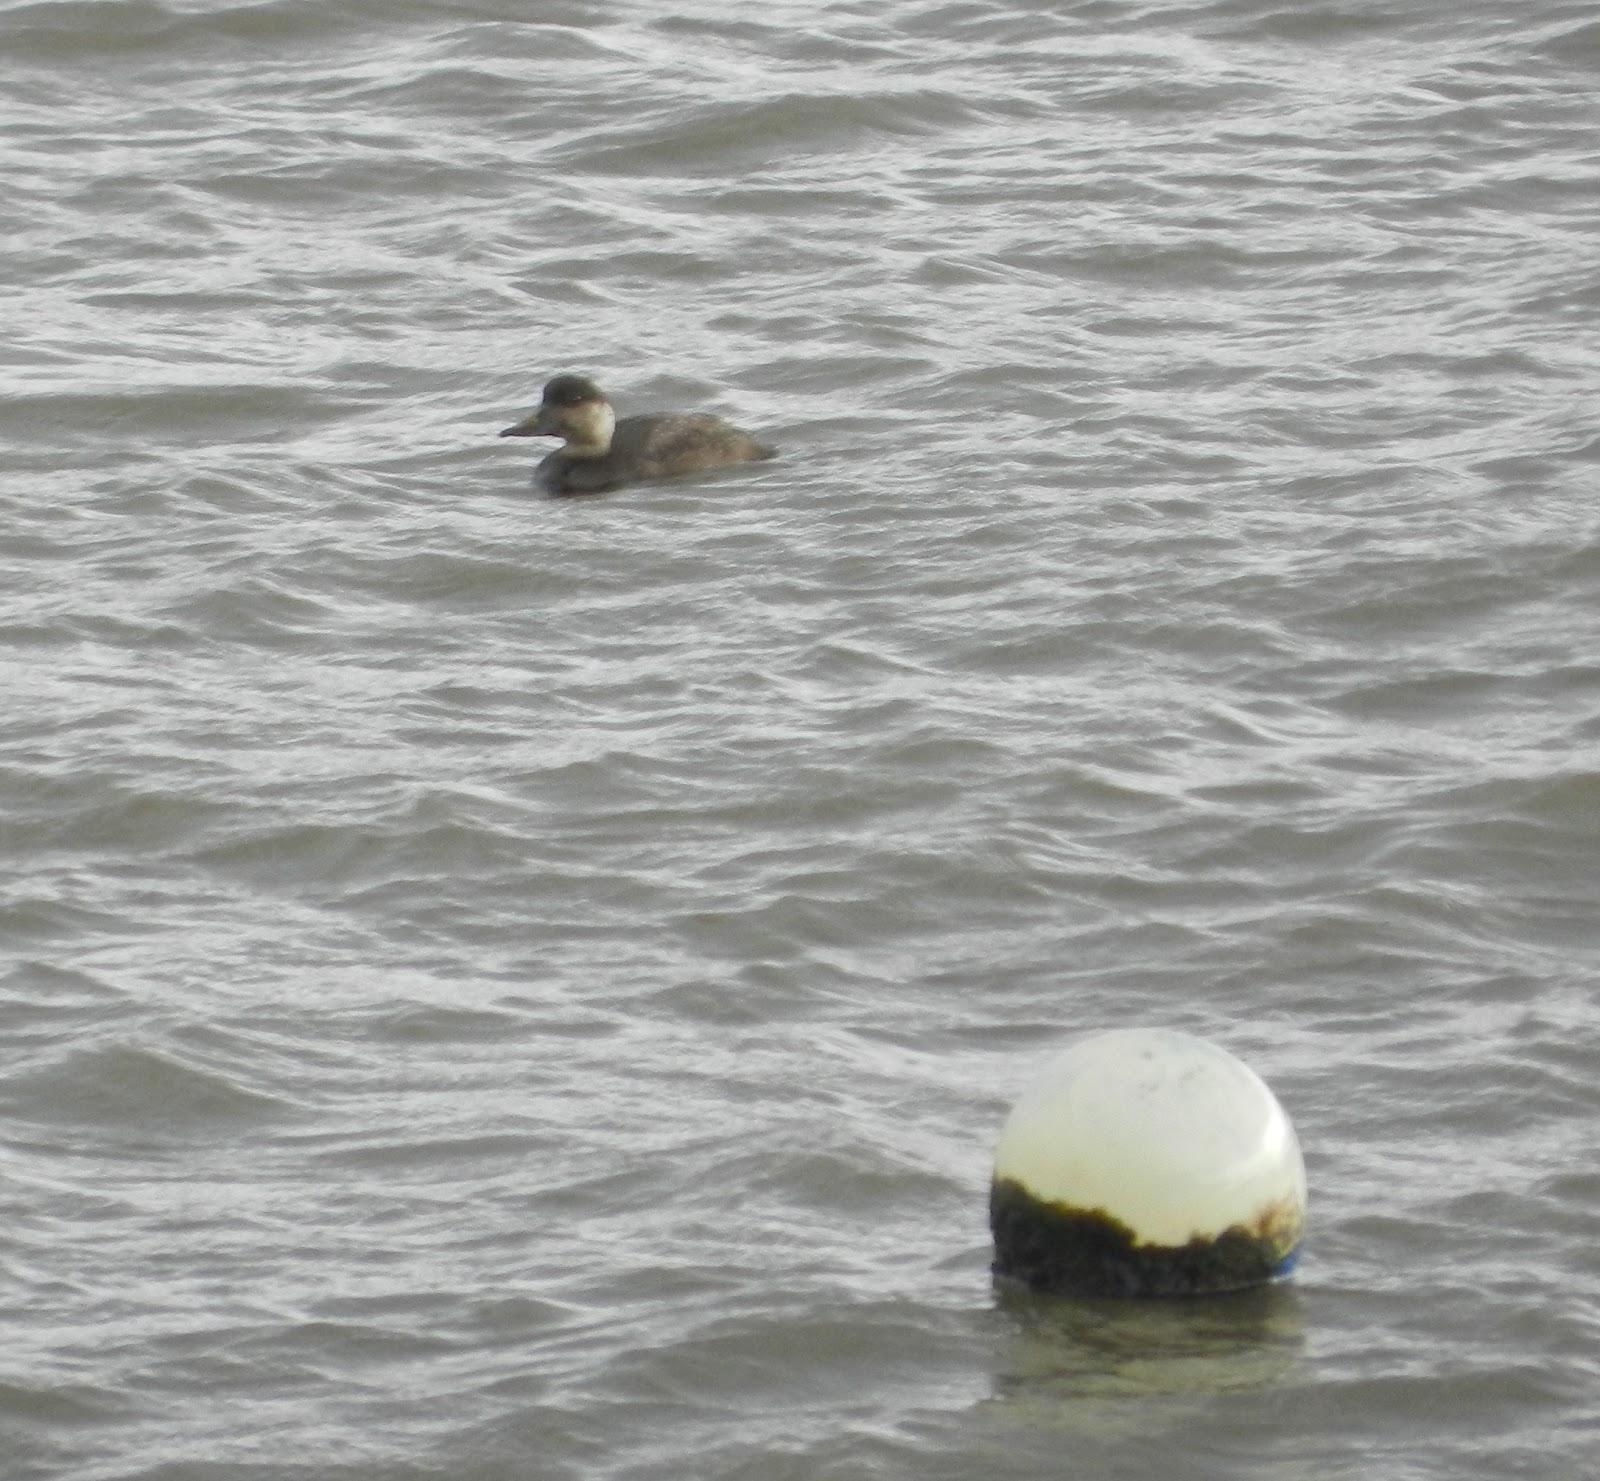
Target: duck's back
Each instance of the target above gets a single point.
(645, 448)
(667, 445)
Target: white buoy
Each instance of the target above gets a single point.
(1146, 1162)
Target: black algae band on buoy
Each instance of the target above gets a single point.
(1146, 1162)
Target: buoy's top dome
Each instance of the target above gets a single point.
(1167, 1133)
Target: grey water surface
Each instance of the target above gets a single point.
(501, 987)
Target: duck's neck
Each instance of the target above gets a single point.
(589, 431)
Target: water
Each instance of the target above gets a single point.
(513, 988)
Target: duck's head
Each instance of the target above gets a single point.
(573, 408)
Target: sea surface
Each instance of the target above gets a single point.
(501, 988)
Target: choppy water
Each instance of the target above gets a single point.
(506, 988)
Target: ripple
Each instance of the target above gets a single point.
(118, 1086)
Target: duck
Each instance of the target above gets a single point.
(599, 452)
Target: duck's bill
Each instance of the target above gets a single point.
(530, 426)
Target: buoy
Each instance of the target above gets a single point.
(1146, 1162)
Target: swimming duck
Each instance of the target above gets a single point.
(601, 452)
